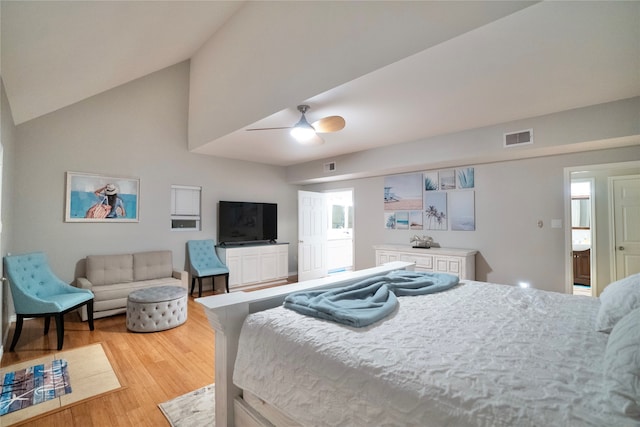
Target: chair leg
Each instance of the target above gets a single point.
(193, 285)
(90, 314)
(47, 323)
(60, 329)
(226, 281)
(17, 332)
(199, 287)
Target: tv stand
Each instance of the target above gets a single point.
(253, 265)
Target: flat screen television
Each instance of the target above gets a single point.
(246, 222)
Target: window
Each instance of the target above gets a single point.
(185, 207)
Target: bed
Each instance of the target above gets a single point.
(479, 354)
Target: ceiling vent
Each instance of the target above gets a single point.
(330, 167)
(521, 137)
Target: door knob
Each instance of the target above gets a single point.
(621, 248)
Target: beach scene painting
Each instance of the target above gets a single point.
(415, 220)
(403, 192)
(435, 210)
(447, 179)
(462, 207)
(402, 220)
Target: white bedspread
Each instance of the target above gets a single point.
(477, 355)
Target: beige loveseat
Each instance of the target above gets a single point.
(112, 277)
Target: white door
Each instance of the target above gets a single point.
(626, 225)
(312, 235)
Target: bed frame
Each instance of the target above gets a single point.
(226, 314)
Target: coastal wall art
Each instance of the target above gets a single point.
(101, 198)
(435, 210)
(462, 205)
(403, 192)
(446, 199)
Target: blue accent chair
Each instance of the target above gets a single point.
(37, 292)
(205, 263)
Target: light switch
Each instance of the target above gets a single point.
(556, 223)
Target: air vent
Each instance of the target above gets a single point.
(330, 167)
(521, 137)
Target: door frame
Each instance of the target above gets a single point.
(568, 265)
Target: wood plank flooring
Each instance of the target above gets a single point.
(152, 367)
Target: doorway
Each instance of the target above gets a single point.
(325, 233)
(582, 234)
(602, 222)
(340, 231)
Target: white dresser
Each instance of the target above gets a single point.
(254, 265)
(461, 262)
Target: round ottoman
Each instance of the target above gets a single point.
(156, 309)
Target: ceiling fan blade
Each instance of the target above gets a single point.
(286, 127)
(329, 124)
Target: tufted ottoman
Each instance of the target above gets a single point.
(156, 309)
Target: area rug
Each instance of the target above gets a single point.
(194, 409)
(34, 385)
(90, 375)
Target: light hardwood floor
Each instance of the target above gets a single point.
(152, 367)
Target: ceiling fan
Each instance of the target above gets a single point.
(306, 133)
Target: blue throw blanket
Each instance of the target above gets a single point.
(369, 300)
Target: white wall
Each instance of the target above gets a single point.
(510, 197)
(608, 125)
(7, 141)
(138, 130)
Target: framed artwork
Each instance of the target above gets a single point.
(101, 198)
(430, 181)
(462, 208)
(465, 178)
(390, 220)
(415, 220)
(435, 210)
(447, 179)
(402, 220)
(403, 192)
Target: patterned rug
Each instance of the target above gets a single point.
(34, 385)
(89, 371)
(194, 409)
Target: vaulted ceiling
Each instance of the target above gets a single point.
(396, 71)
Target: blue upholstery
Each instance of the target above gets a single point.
(205, 263)
(37, 292)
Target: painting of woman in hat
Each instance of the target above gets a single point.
(109, 206)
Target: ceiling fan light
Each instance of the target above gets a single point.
(303, 131)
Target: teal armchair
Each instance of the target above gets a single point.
(37, 292)
(205, 263)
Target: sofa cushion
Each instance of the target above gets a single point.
(122, 290)
(109, 269)
(152, 265)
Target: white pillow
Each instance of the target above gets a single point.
(622, 365)
(618, 299)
